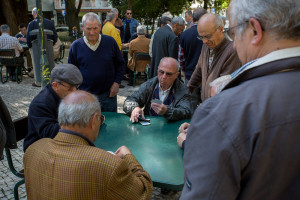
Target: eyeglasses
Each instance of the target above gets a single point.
(101, 118)
(208, 37)
(68, 87)
(128, 13)
(169, 74)
(229, 32)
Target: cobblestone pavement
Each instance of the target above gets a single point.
(18, 97)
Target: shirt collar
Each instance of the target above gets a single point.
(166, 91)
(170, 26)
(5, 34)
(77, 134)
(91, 46)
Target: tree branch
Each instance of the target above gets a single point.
(79, 7)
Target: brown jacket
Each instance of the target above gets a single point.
(67, 167)
(225, 62)
(138, 45)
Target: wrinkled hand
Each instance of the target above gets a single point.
(136, 112)
(160, 109)
(114, 89)
(122, 151)
(184, 128)
(181, 137)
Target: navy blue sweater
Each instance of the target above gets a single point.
(99, 68)
(191, 48)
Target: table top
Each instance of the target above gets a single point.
(154, 146)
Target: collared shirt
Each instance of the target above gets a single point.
(211, 57)
(170, 26)
(163, 94)
(92, 46)
(9, 42)
(181, 58)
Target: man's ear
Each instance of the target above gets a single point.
(256, 31)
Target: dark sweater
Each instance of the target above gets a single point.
(99, 68)
(42, 116)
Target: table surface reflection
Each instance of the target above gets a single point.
(154, 146)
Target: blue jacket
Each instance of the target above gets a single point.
(133, 26)
(42, 116)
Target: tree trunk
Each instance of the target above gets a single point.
(13, 13)
(72, 12)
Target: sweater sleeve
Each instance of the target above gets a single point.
(119, 64)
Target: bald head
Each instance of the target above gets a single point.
(167, 72)
(210, 27)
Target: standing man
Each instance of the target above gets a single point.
(244, 142)
(217, 56)
(21, 36)
(189, 19)
(100, 62)
(110, 29)
(130, 25)
(42, 114)
(48, 24)
(165, 43)
(69, 166)
(191, 46)
(9, 42)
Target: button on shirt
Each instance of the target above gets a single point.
(163, 94)
(92, 46)
(9, 42)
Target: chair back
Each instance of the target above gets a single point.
(142, 56)
(7, 53)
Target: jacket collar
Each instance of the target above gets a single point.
(72, 137)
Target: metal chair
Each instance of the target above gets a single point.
(61, 54)
(10, 60)
(140, 56)
(15, 131)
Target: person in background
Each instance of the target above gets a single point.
(188, 15)
(110, 29)
(42, 113)
(243, 143)
(118, 22)
(99, 59)
(69, 166)
(168, 89)
(130, 26)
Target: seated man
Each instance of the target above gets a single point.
(167, 88)
(71, 167)
(138, 45)
(42, 114)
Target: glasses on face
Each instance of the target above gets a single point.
(128, 13)
(169, 74)
(69, 87)
(208, 37)
(101, 118)
(229, 32)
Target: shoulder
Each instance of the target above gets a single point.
(77, 42)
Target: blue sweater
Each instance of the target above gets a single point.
(100, 68)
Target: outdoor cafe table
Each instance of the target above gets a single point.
(154, 146)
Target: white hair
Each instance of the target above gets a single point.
(141, 30)
(178, 20)
(90, 16)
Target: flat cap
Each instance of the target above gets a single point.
(67, 73)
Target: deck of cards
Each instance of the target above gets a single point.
(156, 101)
(144, 122)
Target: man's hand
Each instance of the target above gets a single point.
(181, 137)
(114, 89)
(136, 112)
(160, 109)
(184, 128)
(122, 151)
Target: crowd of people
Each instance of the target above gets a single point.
(238, 85)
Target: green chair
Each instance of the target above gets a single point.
(11, 60)
(61, 54)
(140, 56)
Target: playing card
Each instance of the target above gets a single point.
(156, 101)
(145, 123)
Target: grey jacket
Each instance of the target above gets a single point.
(179, 109)
(244, 142)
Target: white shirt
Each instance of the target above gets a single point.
(163, 94)
(92, 46)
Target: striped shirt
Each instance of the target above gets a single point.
(9, 42)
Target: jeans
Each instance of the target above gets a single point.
(108, 104)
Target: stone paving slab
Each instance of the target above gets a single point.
(17, 98)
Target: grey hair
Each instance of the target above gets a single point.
(79, 113)
(165, 20)
(90, 16)
(279, 17)
(219, 21)
(110, 16)
(34, 11)
(198, 13)
(178, 20)
(4, 28)
(141, 30)
(114, 10)
(177, 63)
(189, 12)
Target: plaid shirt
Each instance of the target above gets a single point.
(181, 58)
(9, 42)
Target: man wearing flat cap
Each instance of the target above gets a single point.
(43, 110)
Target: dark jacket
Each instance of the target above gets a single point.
(179, 109)
(244, 142)
(48, 24)
(191, 46)
(42, 116)
(165, 44)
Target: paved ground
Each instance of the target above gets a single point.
(18, 97)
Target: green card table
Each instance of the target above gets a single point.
(154, 146)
